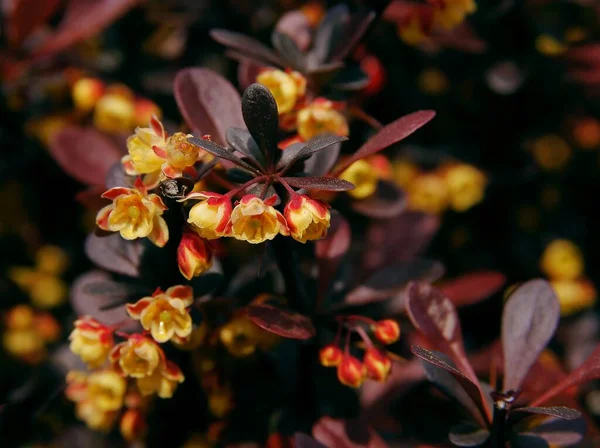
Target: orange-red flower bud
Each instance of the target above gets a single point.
(132, 426)
(386, 331)
(145, 110)
(194, 255)
(351, 372)
(378, 365)
(86, 92)
(330, 355)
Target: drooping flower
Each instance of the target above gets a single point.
(319, 117)
(241, 337)
(163, 381)
(256, 221)
(211, 216)
(179, 155)
(133, 425)
(562, 260)
(142, 159)
(134, 214)
(351, 372)
(377, 364)
(92, 341)
(386, 331)
(287, 87)
(330, 355)
(165, 314)
(307, 218)
(194, 255)
(364, 178)
(137, 357)
(466, 185)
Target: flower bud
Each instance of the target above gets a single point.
(320, 117)
(132, 426)
(378, 365)
(114, 113)
(145, 110)
(86, 92)
(194, 255)
(330, 356)
(364, 178)
(211, 216)
(351, 372)
(307, 218)
(386, 331)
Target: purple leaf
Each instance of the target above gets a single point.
(247, 46)
(302, 440)
(529, 319)
(472, 287)
(85, 154)
(285, 323)
(328, 32)
(208, 102)
(467, 435)
(559, 432)
(337, 433)
(217, 150)
(242, 141)
(288, 50)
(248, 71)
(116, 177)
(115, 254)
(338, 239)
(358, 26)
(392, 279)
(259, 110)
(82, 20)
(390, 134)
(320, 163)
(26, 16)
(470, 387)
(320, 183)
(316, 144)
(387, 201)
(296, 25)
(561, 412)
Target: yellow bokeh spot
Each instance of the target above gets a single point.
(433, 81)
(363, 176)
(549, 45)
(551, 152)
(428, 193)
(562, 260)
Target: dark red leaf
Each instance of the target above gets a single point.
(247, 46)
(471, 387)
(208, 102)
(259, 110)
(558, 432)
(28, 15)
(387, 201)
(466, 434)
(91, 198)
(115, 254)
(316, 144)
(82, 20)
(320, 183)
(529, 319)
(392, 279)
(338, 239)
(296, 25)
(356, 29)
(85, 154)
(390, 134)
(561, 412)
(248, 70)
(217, 150)
(473, 287)
(288, 50)
(285, 323)
(337, 433)
(302, 440)
(320, 163)
(328, 33)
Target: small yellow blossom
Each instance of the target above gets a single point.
(137, 357)
(106, 389)
(549, 45)
(165, 314)
(241, 337)
(307, 218)
(404, 171)
(210, 217)
(363, 176)
(92, 341)
(562, 260)
(551, 152)
(114, 113)
(163, 381)
(433, 81)
(51, 260)
(428, 193)
(256, 221)
(574, 295)
(466, 185)
(95, 418)
(449, 13)
(320, 117)
(286, 88)
(220, 402)
(142, 157)
(412, 31)
(86, 92)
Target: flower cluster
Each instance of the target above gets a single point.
(562, 262)
(376, 363)
(115, 108)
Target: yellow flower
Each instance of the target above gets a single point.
(137, 357)
(220, 402)
(180, 155)
(404, 171)
(106, 389)
(92, 341)
(574, 295)
(466, 185)
(86, 92)
(549, 46)
(134, 214)
(51, 260)
(165, 313)
(256, 221)
(145, 110)
(428, 193)
(307, 218)
(143, 158)
(363, 176)
(449, 13)
(114, 113)
(20, 317)
(25, 344)
(94, 418)
(163, 381)
(194, 255)
(241, 337)
(562, 260)
(320, 117)
(433, 81)
(132, 425)
(412, 31)
(286, 88)
(210, 217)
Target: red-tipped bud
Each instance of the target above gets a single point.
(330, 356)
(378, 365)
(194, 255)
(145, 110)
(132, 426)
(86, 92)
(386, 331)
(351, 372)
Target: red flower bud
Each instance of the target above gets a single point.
(378, 365)
(386, 331)
(194, 255)
(133, 426)
(330, 355)
(351, 372)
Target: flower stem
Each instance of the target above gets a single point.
(241, 188)
(498, 422)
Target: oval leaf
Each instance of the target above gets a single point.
(246, 46)
(259, 110)
(561, 412)
(85, 154)
(302, 440)
(529, 320)
(337, 433)
(296, 25)
(388, 135)
(115, 254)
(468, 435)
(320, 183)
(26, 16)
(388, 201)
(242, 141)
(338, 239)
(559, 432)
(320, 163)
(208, 102)
(218, 151)
(285, 323)
(473, 287)
(288, 50)
(316, 144)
